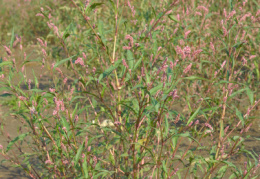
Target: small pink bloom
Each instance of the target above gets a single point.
(52, 90)
(124, 63)
(94, 70)
(231, 14)
(8, 51)
(212, 47)
(64, 128)
(198, 13)
(223, 64)
(80, 61)
(131, 39)
(252, 56)
(65, 80)
(187, 69)
(40, 14)
(84, 55)
(126, 48)
(48, 162)
(168, 12)
(44, 52)
(54, 112)
(186, 34)
(209, 126)
(65, 162)
(226, 129)
(203, 8)
(187, 50)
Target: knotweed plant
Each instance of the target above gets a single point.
(136, 89)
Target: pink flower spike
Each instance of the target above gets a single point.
(209, 126)
(40, 14)
(187, 69)
(186, 34)
(198, 13)
(203, 8)
(8, 51)
(80, 61)
(252, 56)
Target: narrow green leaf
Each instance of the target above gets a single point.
(237, 92)
(78, 155)
(155, 89)
(164, 168)
(75, 110)
(193, 115)
(195, 78)
(166, 127)
(20, 137)
(12, 39)
(63, 61)
(94, 5)
(250, 95)
(35, 79)
(5, 63)
(85, 168)
(108, 71)
(240, 116)
(138, 63)
(256, 63)
(173, 18)
(130, 59)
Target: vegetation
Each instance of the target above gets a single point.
(131, 89)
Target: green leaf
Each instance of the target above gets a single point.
(186, 134)
(65, 124)
(63, 61)
(94, 5)
(237, 92)
(257, 69)
(78, 155)
(111, 158)
(166, 127)
(240, 116)
(20, 137)
(155, 89)
(250, 95)
(108, 71)
(85, 168)
(6, 95)
(173, 18)
(101, 31)
(12, 39)
(130, 59)
(113, 4)
(164, 168)
(138, 62)
(195, 78)
(5, 63)
(193, 115)
(35, 79)
(74, 111)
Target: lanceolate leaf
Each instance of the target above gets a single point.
(20, 137)
(78, 155)
(108, 71)
(62, 61)
(193, 115)
(250, 95)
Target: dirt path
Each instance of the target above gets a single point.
(10, 126)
